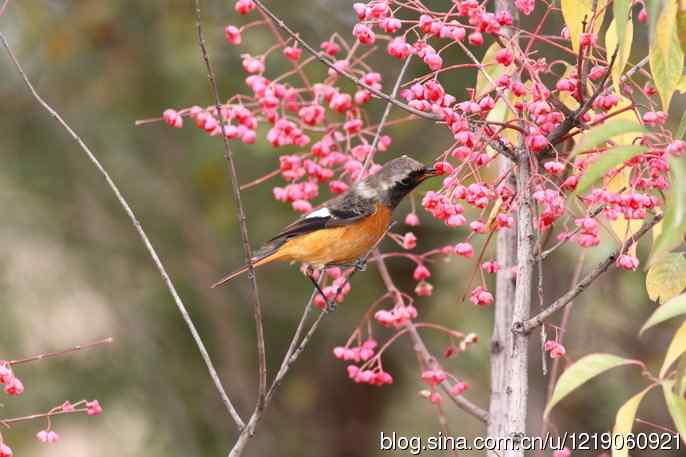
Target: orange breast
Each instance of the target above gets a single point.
(339, 245)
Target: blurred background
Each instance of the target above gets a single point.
(73, 270)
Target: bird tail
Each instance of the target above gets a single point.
(262, 258)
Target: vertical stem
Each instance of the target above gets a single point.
(517, 388)
(242, 219)
(502, 340)
(502, 336)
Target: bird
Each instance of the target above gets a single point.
(343, 230)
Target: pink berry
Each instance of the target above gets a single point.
(232, 34)
(424, 289)
(5, 450)
(244, 6)
(93, 408)
(627, 262)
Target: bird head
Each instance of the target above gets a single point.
(396, 179)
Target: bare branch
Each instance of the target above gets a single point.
(292, 354)
(242, 220)
(525, 327)
(146, 241)
(386, 111)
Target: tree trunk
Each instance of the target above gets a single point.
(509, 375)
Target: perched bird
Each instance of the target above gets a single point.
(345, 228)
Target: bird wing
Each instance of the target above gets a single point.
(337, 213)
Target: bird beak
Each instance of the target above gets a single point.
(430, 171)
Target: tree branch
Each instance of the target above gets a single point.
(146, 241)
(525, 327)
(292, 354)
(242, 220)
(424, 354)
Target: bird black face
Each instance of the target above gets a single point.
(403, 185)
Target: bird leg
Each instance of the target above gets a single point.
(361, 263)
(330, 304)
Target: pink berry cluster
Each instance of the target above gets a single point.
(325, 126)
(337, 289)
(435, 377)
(12, 384)
(555, 349)
(521, 105)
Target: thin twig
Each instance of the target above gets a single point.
(382, 122)
(76, 348)
(292, 354)
(525, 327)
(146, 241)
(242, 220)
(557, 245)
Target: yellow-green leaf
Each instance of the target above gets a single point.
(583, 370)
(674, 222)
(602, 133)
(491, 67)
(666, 56)
(611, 37)
(674, 307)
(624, 422)
(676, 406)
(681, 23)
(666, 278)
(676, 348)
(606, 162)
(680, 379)
(575, 11)
(621, 10)
(681, 87)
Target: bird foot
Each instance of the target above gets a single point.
(330, 306)
(360, 265)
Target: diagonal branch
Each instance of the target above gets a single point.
(423, 352)
(146, 241)
(384, 116)
(242, 220)
(525, 327)
(296, 348)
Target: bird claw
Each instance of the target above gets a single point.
(330, 306)
(360, 265)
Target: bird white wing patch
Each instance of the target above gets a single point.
(321, 212)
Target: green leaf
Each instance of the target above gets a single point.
(654, 7)
(583, 370)
(624, 421)
(682, 123)
(602, 133)
(681, 87)
(674, 222)
(492, 68)
(676, 406)
(621, 10)
(611, 37)
(680, 380)
(666, 56)
(676, 348)
(681, 23)
(674, 307)
(606, 162)
(666, 278)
